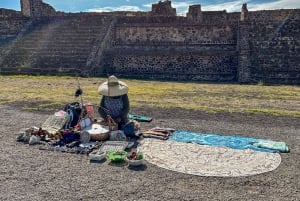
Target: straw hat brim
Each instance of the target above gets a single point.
(117, 90)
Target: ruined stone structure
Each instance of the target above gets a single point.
(36, 8)
(244, 47)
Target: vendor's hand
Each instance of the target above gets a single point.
(118, 120)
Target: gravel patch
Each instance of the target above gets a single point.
(27, 173)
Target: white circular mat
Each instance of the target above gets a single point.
(203, 160)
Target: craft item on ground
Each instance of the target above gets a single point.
(60, 113)
(113, 145)
(24, 135)
(235, 142)
(129, 129)
(84, 123)
(63, 149)
(130, 145)
(148, 135)
(97, 133)
(54, 123)
(135, 158)
(111, 124)
(164, 130)
(116, 155)
(33, 135)
(67, 137)
(74, 113)
(117, 135)
(139, 118)
(73, 147)
(73, 144)
(34, 139)
(158, 132)
(97, 155)
(276, 146)
(89, 108)
(88, 145)
(85, 136)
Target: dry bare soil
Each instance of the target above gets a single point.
(27, 173)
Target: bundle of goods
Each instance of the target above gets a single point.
(159, 133)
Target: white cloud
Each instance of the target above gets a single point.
(233, 6)
(128, 8)
(180, 4)
(149, 5)
(181, 7)
(281, 4)
(236, 6)
(111, 9)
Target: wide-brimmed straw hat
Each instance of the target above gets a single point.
(113, 87)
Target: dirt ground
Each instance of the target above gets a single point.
(27, 173)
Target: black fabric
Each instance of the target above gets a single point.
(74, 110)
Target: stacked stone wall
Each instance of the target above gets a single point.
(148, 19)
(56, 46)
(233, 17)
(36, 8)
(162, 33)
(208, 46)
(273, 15)
(11, 23)
(192, 66)
(214, 17)
(178, 51)
(208, 18)
(275, 47)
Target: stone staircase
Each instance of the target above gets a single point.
(60, 46)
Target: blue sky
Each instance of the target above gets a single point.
(145, 5)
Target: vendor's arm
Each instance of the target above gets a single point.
(126, 108)
(101, 111)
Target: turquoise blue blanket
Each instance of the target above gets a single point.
(235, 142)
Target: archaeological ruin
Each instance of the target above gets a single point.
(207, 46)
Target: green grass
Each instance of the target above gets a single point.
(48, 93)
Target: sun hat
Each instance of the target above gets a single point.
(113, 87)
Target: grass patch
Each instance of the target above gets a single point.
(52, 92)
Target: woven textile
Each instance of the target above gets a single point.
(204, 160)
(232, 141)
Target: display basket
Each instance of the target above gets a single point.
(98, 132)
(113, 146)
(54, 123)
(97, 155)
(95, 132)
(116, 156)
(133, 162)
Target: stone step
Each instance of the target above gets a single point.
(65, 43)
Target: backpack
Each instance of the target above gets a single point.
(130, 128)
(74, 111)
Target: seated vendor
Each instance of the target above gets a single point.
(114, 102)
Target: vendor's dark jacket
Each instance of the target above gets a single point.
(124, 112)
